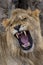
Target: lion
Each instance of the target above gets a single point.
(22, 43)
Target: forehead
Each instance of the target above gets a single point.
(19, 18)
(22, 18)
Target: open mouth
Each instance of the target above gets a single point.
(25, 39)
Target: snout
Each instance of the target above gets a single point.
(17, 27)
(20, 27)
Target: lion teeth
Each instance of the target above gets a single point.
(21, 32)
(16, 35)
(28, 44)
(23, 45)
(25, 33)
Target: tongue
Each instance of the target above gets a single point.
(24, 40)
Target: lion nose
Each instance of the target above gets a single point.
(17, 27)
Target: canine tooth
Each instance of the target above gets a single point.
(21, 32)
(23, 45)
(17, 35)
(24, 32)
(28, 43)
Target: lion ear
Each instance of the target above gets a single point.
(5, 22)
(29, 12)
(36, 12)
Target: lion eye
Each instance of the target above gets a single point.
(10, 24)
(24, 19)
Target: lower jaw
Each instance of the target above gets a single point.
(25, 48)
(29, 50)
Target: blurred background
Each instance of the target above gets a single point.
(7, 5)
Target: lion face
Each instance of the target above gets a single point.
(21, 30)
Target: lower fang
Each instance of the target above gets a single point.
(24, 45)
(28, 44)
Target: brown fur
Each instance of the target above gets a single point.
(10, 52)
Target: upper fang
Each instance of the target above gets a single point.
(16, 35)
(25, 33)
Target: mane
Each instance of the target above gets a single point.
(34, 57)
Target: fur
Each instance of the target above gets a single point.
(10, 51)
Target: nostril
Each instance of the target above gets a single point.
(17, 27)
